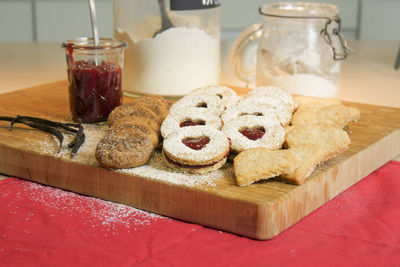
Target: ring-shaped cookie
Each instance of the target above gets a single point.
(238, 129)
(210, 102)
(181, 147)
(228, 96)
(274, 91)
(256, 110)
(283, 110)
(189, 116)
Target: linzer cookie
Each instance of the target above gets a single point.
(255, 110)
(189, 116)
(283, 110)
(251, 131)
(273, 91)
(211, 102)
(196, 149)
(228, 97)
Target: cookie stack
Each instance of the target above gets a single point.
(314, 136)
(193, 141)
(215, 114)
(134, 133)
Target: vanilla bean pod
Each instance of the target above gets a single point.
(33, 124)
(79, 140)
(65, 126)
(52, 128)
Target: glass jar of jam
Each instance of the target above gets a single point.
(94, 77)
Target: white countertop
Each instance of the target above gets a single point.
(368, 75)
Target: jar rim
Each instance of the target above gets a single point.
(86, 43)
(303, 10)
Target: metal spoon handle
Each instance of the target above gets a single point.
(93, 19)
(165, 20)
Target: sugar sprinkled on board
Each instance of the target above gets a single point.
(155, 169)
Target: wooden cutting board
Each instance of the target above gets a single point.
(259, 211)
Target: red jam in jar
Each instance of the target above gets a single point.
(94, 90)
(95, 77)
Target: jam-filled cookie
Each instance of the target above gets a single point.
(256, 110)
(277, 92)
(189, 116)
(283, 110)
(228, 96)
(196, 149)
(250, 131)
(211, 102)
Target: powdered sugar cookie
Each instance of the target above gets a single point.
(189, 116)
(283, 110)
(249, 131)
(256, 110)
(228, 96)
(210, 102)
(196, 149)
(277, 92)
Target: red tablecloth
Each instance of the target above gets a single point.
(43, 226)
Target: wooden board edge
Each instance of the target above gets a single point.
(332, 181)
(255, 220)
(176, 201)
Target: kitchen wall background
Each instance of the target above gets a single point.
(57, 20)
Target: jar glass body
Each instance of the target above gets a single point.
(292, 53)
(94, 78)
(171, 62)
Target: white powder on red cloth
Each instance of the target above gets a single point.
(96, 212)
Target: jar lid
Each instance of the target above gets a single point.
(299, 10)
(86, 43)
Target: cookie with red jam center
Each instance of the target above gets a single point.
(196, 149)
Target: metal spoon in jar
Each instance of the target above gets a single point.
(165, 20)
(95, 31)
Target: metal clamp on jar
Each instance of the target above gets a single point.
(300, 47)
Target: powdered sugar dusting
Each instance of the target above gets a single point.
(85, 154)
(97, 213)
(157, 170)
